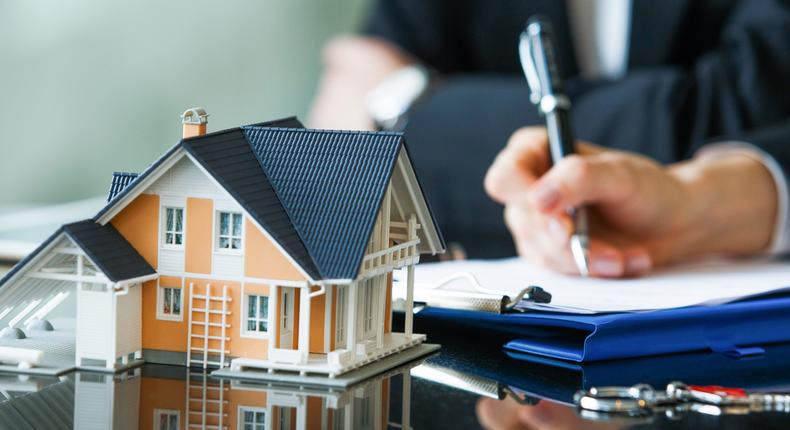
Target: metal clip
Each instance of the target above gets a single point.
(528, 64)
(532, 293)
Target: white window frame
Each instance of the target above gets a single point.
(159, 412)
(267, 416)
(218, 229)
(245, 318)
(160, 301)
(165, 231)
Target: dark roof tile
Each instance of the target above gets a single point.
(120, 180)
(105, 246)
(331, 184)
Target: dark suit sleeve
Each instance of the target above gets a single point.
(423, 28)
(670, 112)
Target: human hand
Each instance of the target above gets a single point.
(353, 66)
(642, 214)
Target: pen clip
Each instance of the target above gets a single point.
(528, 64)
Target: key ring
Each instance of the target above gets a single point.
(642, 399)
(637, 399)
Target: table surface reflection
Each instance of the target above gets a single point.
(470, 383)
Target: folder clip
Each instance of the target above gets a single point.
(533, 293)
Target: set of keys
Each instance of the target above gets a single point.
(642, 400)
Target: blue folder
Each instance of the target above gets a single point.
(738, 328)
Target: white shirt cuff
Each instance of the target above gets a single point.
(781, 238)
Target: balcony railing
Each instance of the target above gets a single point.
(394, 257)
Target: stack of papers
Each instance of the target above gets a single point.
(703, 283)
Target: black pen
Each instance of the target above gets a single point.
(536, 51)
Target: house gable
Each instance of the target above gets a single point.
(314, 193)
(186, 185)
(408, 198)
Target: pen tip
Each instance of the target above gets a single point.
(581, 254)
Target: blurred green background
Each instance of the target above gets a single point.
(88, 87)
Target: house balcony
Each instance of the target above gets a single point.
(403, 254)
(390, 259)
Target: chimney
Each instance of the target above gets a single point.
(194, 121)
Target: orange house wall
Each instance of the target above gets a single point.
(199, 231)
(161, 394)
(314, 413)
(159, 334)
(264, 260)
(317, 321)
(138, 223)
(236, 398)
(245, 346)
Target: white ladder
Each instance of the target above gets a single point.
(211, 332)
(205, 402)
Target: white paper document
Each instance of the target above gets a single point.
(710, 282)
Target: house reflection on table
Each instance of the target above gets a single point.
(174, 398)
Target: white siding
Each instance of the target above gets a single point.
(228, 265)
(94, 325)
(129, 327)
(185, 179)
(171, 260)
(93, 402)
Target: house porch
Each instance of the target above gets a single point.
(335, 362)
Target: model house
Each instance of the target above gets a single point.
(266, 247)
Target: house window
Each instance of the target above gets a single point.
(252, 419)
(229, 231)
(257, 314)
(174, 226)
(166, 419)
(340, 332)
(170, 303)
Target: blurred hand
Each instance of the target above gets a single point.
(642, 214)
(507, 414)
(352, 67)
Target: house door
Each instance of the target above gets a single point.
(287, 317)
(366, 308)
(341, 310)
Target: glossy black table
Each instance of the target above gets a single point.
(469, 383)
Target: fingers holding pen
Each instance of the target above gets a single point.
(578, 180)
(544, 239)
(518, 165)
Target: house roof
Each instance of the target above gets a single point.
(316, 192)
(228, 157)
(49, 407)
(110, 251)
(103, 244)
(331, 184)
(119, 181)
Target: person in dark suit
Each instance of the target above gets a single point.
(687, 101)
